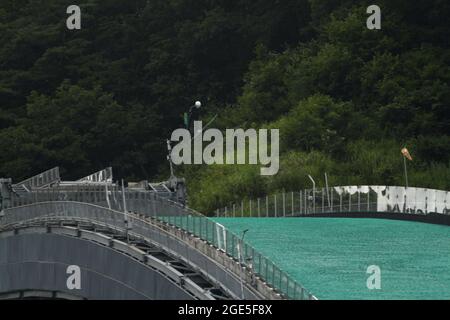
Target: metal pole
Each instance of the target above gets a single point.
(323, 200)
(241, 262)
(107, 195)
(125, 210)
(306, 202)
(359, 200)
(275, 205)
(259, 208)
(406, 172)
(331, 207)
(328, 190)
(273, 274)
(292, 203)
(349, 202)
(301, 206)
(287, 287)
(314, 193)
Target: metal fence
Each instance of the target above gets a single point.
(112, 197)
(42, 179)
(348, 199)
(255, 262)
(118, 203)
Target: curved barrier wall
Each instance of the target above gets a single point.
(350, 199)
(23, 256)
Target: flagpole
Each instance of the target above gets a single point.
(406, 171)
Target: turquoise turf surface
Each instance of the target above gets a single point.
(330, 256)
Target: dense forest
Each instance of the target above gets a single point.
(346, 99)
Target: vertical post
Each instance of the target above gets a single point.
(300, 202)
(273, 274)
(124, 200)
(259, 208)
(259, 264)
(107, 195)
(328, 192)
(281, 283)
(241, 261)
(331, 206)
(267, 206)
(314, 200)
(81, 193)
(340, 202)
(267, 267)
(284, 204)
(292, 203)
(275, 205)
(406, 172)
(349, 202)
(405, 203)
(300, 197)
(359, 200)
(234, 210)
(287, 287)
(232, 245)
(242, 208)
(323, 199)
(314, 192)
(368, 200)
(125, 214)
(306, 202)
(250, 208)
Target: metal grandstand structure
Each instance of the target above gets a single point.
(174, 251)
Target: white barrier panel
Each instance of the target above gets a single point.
(221, 237)
(402, 199)
(104, 175)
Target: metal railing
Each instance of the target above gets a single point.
(349, 199)
(119, 203)
(45, 178)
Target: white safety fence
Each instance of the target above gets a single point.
(343, 199)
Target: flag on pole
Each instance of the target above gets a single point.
(406, 154)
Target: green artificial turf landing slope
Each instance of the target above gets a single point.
(330, 256)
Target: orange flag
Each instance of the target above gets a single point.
(406, 154)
